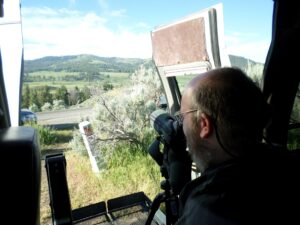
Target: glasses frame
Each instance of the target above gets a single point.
(179, 116)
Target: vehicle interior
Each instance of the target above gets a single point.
(20, 153)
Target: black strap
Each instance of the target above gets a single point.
(58, 189)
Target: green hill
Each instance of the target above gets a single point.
(91, 67)
(83, 64)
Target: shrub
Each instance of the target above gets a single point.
(58, 104)
(46, 135)
(122, 116)
(34, 108)
(46, 107)
(77, 143)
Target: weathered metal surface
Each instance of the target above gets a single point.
(180, 43)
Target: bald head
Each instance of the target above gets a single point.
(232, 100)
(220, 77)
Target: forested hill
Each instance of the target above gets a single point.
(82, 63)
(92, 64)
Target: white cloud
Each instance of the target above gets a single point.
(66, 32)
(247, 45)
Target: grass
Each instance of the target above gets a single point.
(117, 79)
(293, 139)
(87, 188)
(61, 144)
(57, 84)
(128, 172)
(53, 74)
(183, 80)
(62, 74)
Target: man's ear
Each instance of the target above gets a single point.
(206, 125)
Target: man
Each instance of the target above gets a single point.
(223, 114)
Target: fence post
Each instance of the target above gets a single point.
(88, 137)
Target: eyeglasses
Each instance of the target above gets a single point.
(179, 116)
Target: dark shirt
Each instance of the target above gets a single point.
(260, 188)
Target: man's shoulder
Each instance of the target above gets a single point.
(267, 179)
(211, 182)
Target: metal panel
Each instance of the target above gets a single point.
(11, 44)
(181, 43)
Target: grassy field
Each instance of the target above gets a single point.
(117, 79)
(52, 74)
(57, 84)
(62, 74)
(183, 80)
(127, 172)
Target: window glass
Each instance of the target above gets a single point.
(89, 63)
(294, 132)
(253, 69)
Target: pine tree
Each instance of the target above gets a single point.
(26, 96)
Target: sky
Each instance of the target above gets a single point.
(121, 28)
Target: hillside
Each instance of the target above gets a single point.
(93, 66)
(82, 63)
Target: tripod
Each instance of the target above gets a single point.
(174, 162)
(171, 201)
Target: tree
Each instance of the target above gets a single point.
(34, 99)
(85, 93)
(34, 108)
(62, 94)
(44, 95)
(124, 116)
(58, 104)
(46, 107)
(74, 96)
(26, 96)
(107, 86)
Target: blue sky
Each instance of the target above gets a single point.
(122, 28)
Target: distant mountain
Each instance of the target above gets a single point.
(92, 64)
(82, 63)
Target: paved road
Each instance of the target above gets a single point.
(66, 116)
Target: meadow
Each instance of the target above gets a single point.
(127, 172)
(56, 79)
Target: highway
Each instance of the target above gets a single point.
(65, 116)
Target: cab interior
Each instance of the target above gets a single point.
(20, 155)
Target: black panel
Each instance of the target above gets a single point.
(20, 172)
